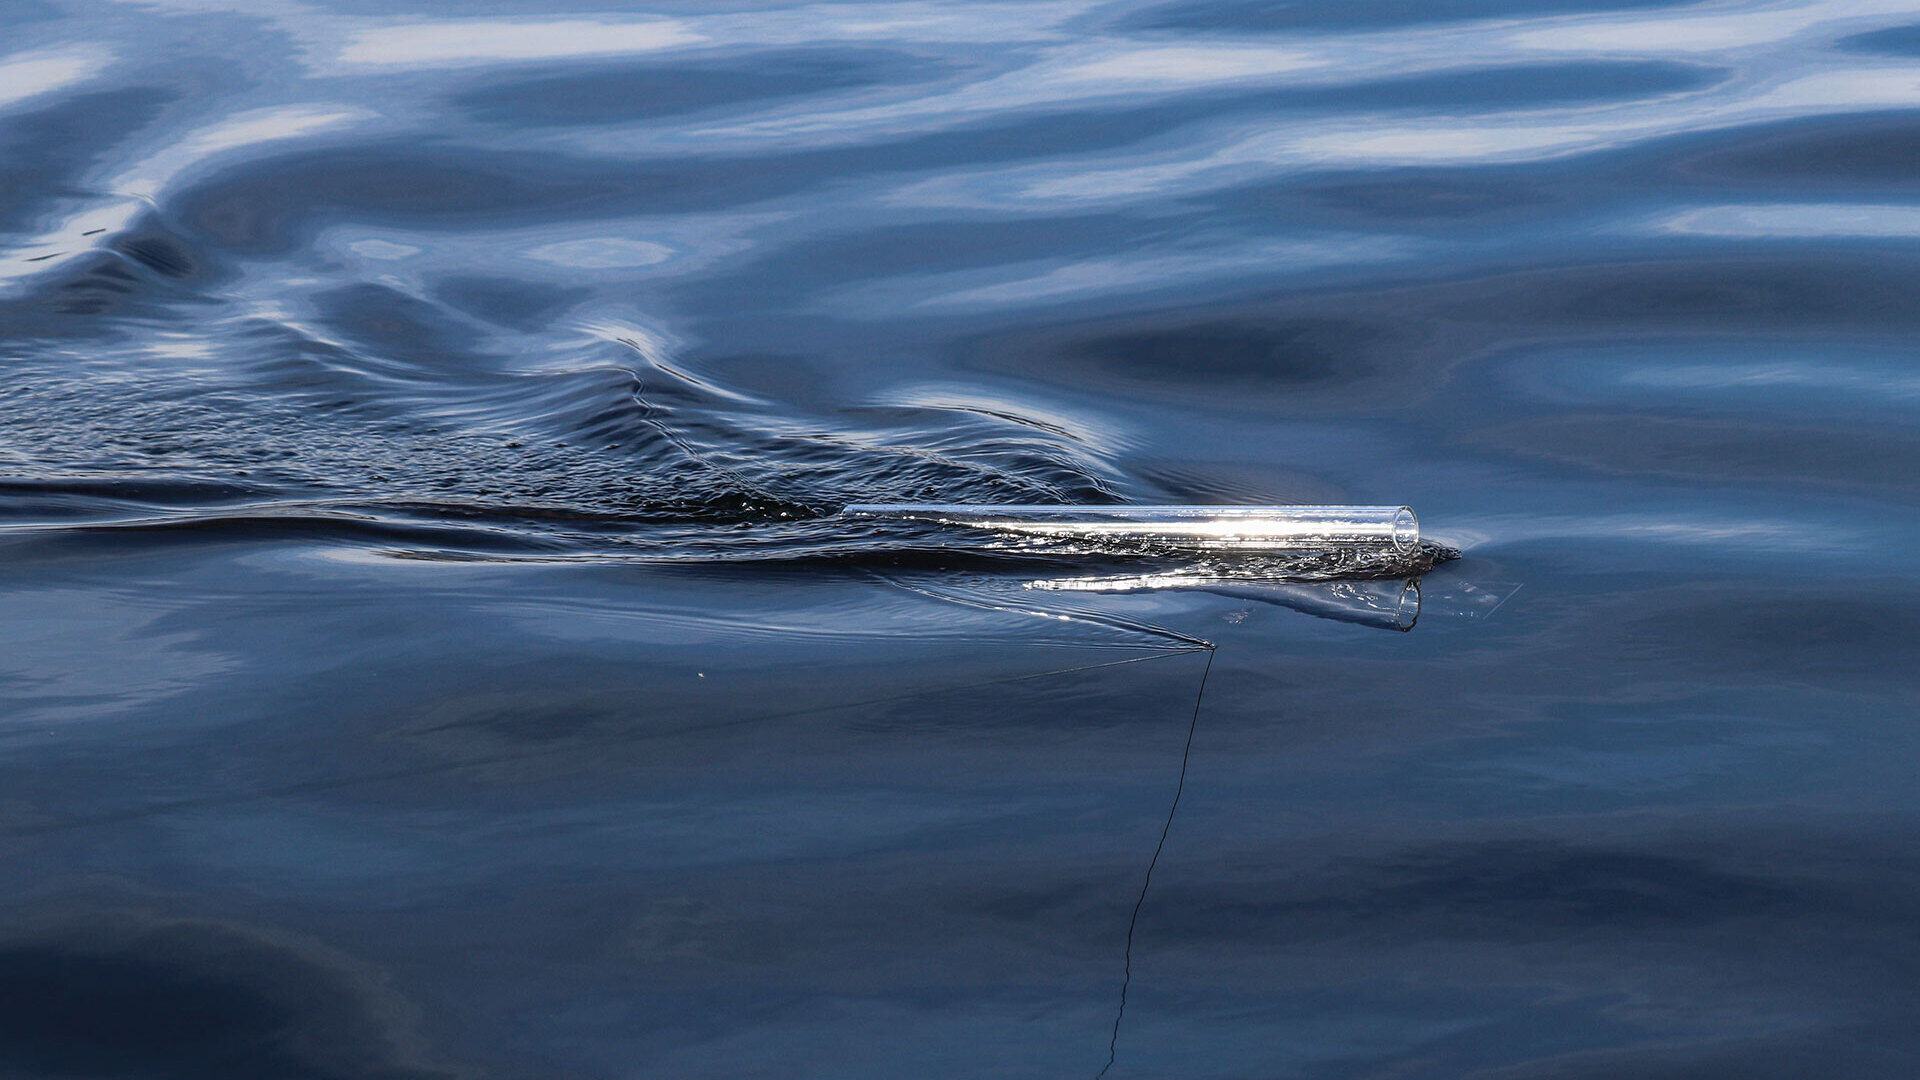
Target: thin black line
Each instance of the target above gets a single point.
(1113, 1042)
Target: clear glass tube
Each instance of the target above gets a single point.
(1230, 528)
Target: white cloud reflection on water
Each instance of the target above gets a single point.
(994, 64)
(1230, 154)
(1795, 221)
(1177, 66)
(29, 75)
(602, 253)
(482, 41)
(129, 194)
(1016, 285)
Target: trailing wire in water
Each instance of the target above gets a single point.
(1183, 642)
(1113, 1041)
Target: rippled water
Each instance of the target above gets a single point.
(427, 647)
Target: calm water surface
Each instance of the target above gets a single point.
(426, 649)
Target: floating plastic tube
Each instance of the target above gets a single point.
(1229, 528)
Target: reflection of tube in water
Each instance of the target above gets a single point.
(1234, 528)
(1388, 605)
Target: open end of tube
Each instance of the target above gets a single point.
(1406, 530)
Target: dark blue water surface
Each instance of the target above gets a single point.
(427, 649)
